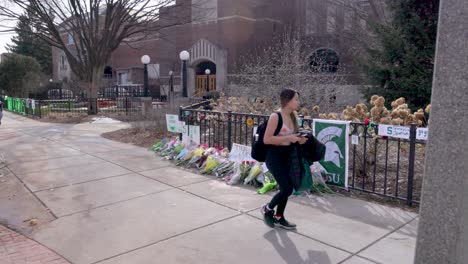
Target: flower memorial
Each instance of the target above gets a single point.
(215, 161)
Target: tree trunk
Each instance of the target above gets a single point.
(93, 87)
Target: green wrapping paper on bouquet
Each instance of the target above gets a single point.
(269, 183)
(210, 164)
(306, 177)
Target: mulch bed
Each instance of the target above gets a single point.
(142, 137)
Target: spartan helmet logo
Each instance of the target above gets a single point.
(332, 152)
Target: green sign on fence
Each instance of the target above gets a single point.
(335, 136)
(172, 122)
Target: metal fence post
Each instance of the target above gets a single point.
(364, 164)
(180, 118)
(412, 154)
(97, 105)
(229, 130)
(126, 105)
(69, 105)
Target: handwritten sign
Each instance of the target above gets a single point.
(172, 122)
(182, 128)
(422, 133)
(191, 135)
(394, 131)
(240, 153)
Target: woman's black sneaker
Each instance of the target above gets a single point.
(282, 222)
(268, 216)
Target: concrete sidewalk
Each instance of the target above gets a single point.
(115, 203)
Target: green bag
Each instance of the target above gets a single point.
(306, 177)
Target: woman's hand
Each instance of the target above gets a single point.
(293, 138)
(303, 140)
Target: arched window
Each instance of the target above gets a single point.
(108, 72)
(324, 60)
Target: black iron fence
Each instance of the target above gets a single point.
(384, 166)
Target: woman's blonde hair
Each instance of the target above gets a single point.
(285, 97)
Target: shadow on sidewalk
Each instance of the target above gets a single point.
(288, 250)
(370, 213)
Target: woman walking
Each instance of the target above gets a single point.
(282, 158)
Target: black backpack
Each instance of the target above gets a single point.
(259, 148)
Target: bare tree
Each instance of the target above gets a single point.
(358, 17)
(287, 63)
(89, 31)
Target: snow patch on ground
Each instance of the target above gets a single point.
(104, 120)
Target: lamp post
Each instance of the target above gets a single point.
(171, 80)
(145, 59)
(207, 73)
(171, 89)
(184, 57)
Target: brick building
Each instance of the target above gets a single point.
(228, 30)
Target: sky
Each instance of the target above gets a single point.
(4, 39)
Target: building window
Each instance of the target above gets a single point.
(63, 64)
(70, 39)
(108, 72)
(331, 18)
(348, 20)
(311, 18)
(363, 24)
(324, 60)
(123, 78)
(153, 71)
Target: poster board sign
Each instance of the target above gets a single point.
(240, 153)
(422, 133)
(402, 132)
(191, 134)
(172, 123)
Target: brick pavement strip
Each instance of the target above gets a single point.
(16, 249)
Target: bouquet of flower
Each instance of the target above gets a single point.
(158, 145)
(234, 177)
(197, 155)
(319, 174)
(181, 154)
(269, 183)
(211, 151)
(244, 169)
(167, 150)
(184, 157)
(225, 153)
(175, 151)
(201, 163)
(178, 148)
(255, 171)
(210, 164)
(224, 168)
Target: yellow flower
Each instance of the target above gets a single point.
(250, 121)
